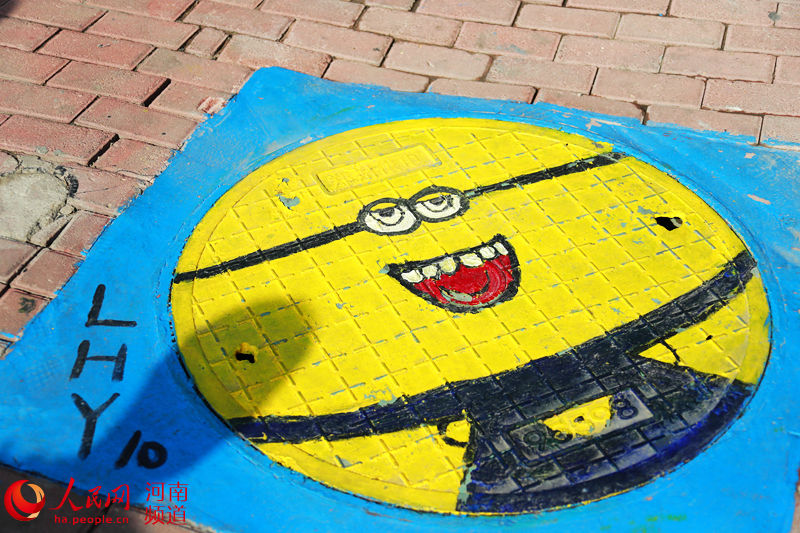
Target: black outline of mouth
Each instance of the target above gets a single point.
(397, 270)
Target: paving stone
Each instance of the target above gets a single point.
(257, 53)
(781, 131)
(610, 53)
(671, 30)
(718, 64)
(80, 233)
(656, 7)
(134, 158)
(60, 142)
(754, 12)
(107, 81)
(436, 61)
(334, 12)
(96, 49)
(238, 19)
(13, 254)
(751, 97)
(480, 89)
(188, 100)
(163, 9)
(206, 42)
(25, 66)
(53, 12)
(495, 11)
(575, 78)
(701, 119)
(589, 103)
(102, 192)
(567, 20)
(195, 70)
(410, 26)
(788, 16)
(339, 42)
(404, 5)
(23, 34)
(787, 70)
(136, 122)
(779, 41)
(355, 72)
(17, 308)
(45, 274)
(506, 41)
(44, 102)
(166, 34)
(647, 88)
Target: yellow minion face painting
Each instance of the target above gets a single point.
(470, 316)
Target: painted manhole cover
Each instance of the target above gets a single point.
(464, 315)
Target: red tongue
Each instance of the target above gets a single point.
(471, 286)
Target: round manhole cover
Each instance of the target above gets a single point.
(463, 315)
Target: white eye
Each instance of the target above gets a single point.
(389, 217)
(438, 204)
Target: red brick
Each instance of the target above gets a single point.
(671, 30)
(787, 70)
(60, 142)
(339, 42)
(258, 53)
(330, 11)
(777, 129)
(595, 104)
(96, 49)
(17, 308)
(45, 274)
(546, 2)
(102, 192)
(3, 118)
(568, 20)
(187, 100)
(136, 122)
(135, 159)
(355, 72)
(718, 64)
(13, 254)
(754, 12)
(646, 88)
(410, 26)
(750, 97)
(702, 119)
(23, 34)
(44, 102)
(238, 19)
(163, 9)
(251, 4)
(778, 41)
(25, 66)
(206, 42)
(107, 81)
(148, 30)
(404, 5)
(53, 12)
(575, 78)
(80, 233)
(788, 16)
(482, 89)
(436, 61)
(502, 40)
(610, 53)
(496, 11)
(655, 7)
(195, 70)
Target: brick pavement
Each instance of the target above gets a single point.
(109, 88)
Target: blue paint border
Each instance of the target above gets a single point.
(745, 482)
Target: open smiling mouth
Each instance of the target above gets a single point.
(465, 281)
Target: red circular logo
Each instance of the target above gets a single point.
(20, 508)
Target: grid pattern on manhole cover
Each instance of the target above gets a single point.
(470, 315)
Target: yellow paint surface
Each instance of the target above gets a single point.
(332, 332)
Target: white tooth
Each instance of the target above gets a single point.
(487, 252)
(412, 277)
(448, 265)
(429, 271)
(500, 248)
(471, 260)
